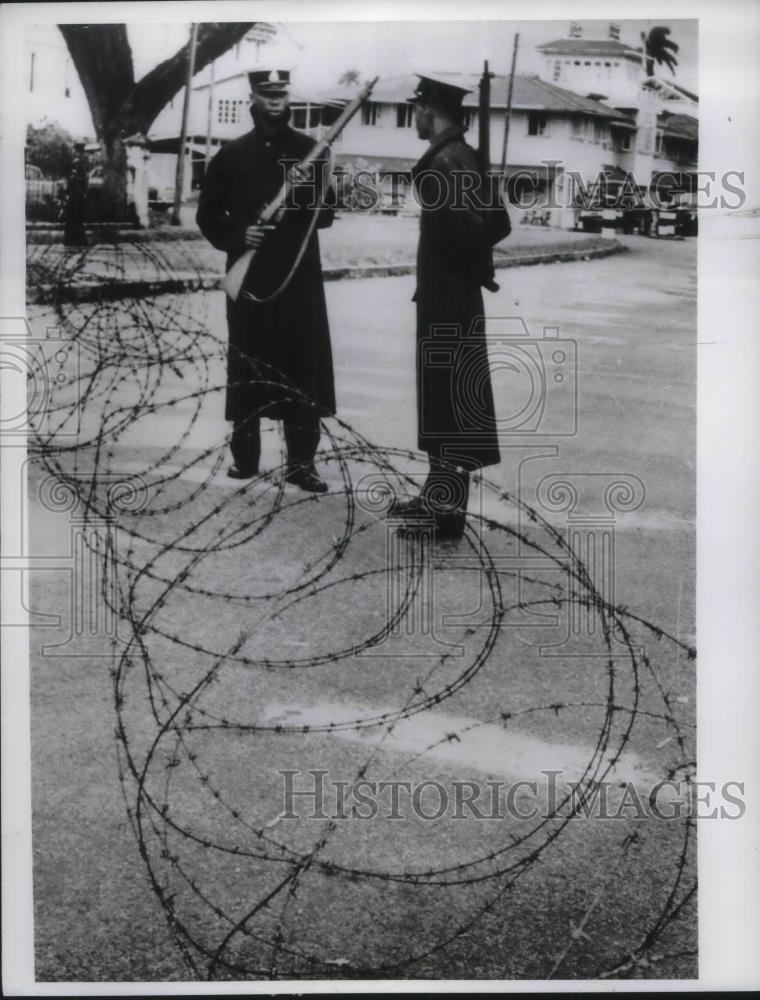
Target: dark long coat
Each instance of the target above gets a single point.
(455, 409)
(278, 349)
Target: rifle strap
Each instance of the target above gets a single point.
(301, 250)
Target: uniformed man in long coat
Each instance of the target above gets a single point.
(455, 408)
(279, 360)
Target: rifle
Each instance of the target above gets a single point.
(495, 215)
(272, 212)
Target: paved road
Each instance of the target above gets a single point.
(631, 319)
(580, 902)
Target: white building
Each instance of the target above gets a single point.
(604, 66)
(592, 110)
(665, 114)
(551, 129)
(218, 109)
(52, 91)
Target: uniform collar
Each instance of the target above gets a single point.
(455, 132)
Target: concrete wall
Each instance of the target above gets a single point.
(162, 168)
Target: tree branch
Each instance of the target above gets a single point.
(103, 59)
(157, 87)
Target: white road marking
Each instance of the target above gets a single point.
(487, 748)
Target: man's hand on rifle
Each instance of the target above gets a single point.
(254, 235)
(301, 174)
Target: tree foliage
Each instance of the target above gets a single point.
(660, 49)
(50, 148)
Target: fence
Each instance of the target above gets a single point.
(44, 199)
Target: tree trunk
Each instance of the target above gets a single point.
(121, 107)
(113, 205)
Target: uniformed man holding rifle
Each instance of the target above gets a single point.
(279, 357)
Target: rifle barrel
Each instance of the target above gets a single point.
(270, 210)
(233, 280)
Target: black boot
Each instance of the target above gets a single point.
(245, 445)
(235, 472)
(442, 503)
(302, 440)
(305, 477)
(449, 527)
(409, 508)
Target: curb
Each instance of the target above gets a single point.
(523, 260)
(192, 282)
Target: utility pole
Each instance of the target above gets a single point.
(210, 115)
(508, 117)
(484, 119)
(180, 176)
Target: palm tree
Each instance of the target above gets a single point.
(658, 48)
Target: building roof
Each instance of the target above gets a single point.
(679, 126)
(590, 47)
(529, 94)
(671, 90)
(684, 91)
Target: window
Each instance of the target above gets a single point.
(536, 123)
(587, 62)
(31, 73)
(468, 116)
(600, 132)
(404, 115)
(658, 143)
(299, 119)
(369, 113)
(229, 112)
(557, 70)
(625, 142)
(330, 115)
(580, 128)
